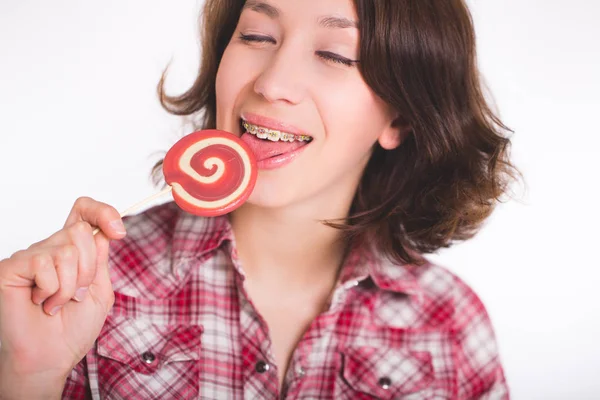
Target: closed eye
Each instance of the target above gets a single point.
(336, 58)
(325, 55)
(256, 39)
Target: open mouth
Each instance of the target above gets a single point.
(272, 134)
(273, 148)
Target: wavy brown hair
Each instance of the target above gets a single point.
(419, 56)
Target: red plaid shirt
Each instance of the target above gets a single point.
(183, 327)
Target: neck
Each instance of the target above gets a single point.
(287, 248)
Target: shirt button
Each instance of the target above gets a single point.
(301, 371)
(385, 383)
(148, 357)
(261, 367)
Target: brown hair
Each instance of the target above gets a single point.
(419, 56)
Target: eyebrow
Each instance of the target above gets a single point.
(263, 8)
(337, 22)
(273, 12)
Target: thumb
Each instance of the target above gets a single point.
(97, 214)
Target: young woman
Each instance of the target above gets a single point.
(317, 287)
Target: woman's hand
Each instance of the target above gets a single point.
(54, 298)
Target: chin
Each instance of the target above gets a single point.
(279, 191)
(268, 198)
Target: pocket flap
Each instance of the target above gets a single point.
(146, 346)
(386, 373)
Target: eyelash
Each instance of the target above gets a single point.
(326, 55)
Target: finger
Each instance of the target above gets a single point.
(45, 277)
(73, 234)
(97, 214)
(81, 236)
(20, 269)
(65, 261)
(102, 285)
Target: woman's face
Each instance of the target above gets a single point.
(290, 67)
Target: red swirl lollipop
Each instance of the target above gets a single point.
(211, 172)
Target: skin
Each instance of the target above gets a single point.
(286, 72)
(47, 324)
(44, 330)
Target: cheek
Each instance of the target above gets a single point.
(354, 116)
(229, 81)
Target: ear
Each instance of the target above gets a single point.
(395, 133)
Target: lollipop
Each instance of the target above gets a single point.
(210, 173)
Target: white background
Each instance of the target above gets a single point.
(79, 116)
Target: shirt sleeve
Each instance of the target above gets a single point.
(479, 371)
(77, 384)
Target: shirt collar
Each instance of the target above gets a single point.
(194, 237)
(365, 261)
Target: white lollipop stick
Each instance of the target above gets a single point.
(139, 205)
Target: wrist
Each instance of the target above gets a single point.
(39, 385)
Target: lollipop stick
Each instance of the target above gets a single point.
(142, 203)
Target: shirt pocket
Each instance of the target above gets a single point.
(141, 359)
(385, 373)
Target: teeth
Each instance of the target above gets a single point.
(273, 135)
(262, 133)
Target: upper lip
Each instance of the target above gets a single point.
(271, 123)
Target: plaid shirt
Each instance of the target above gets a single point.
(183, 327)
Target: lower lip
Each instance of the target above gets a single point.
(280, 160)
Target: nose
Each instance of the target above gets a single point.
(282, 79)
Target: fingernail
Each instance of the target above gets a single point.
(55, 310)
(80, 293)
(39, 302)
(118, 226)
